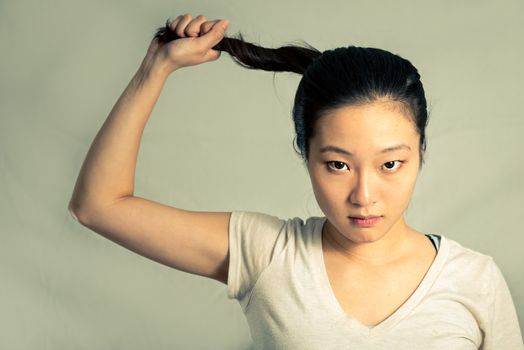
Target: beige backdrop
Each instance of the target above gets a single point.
(220, 138)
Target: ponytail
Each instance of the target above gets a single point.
(290, 58)
(342, 76)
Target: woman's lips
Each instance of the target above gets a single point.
(365, 222)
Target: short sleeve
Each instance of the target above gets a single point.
(255, 239)
(502, 327)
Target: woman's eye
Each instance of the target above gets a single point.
(336, 165)
(391, 165)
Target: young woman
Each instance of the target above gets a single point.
(358, 278)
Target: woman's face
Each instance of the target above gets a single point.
(354, 174)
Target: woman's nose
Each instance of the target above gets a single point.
(363, 192)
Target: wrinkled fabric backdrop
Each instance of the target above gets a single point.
(220, 139)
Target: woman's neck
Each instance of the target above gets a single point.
(391, 248)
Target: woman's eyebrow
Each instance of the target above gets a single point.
(336, 149)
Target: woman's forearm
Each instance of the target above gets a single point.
(108, 171)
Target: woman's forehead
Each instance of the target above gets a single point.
(374, 126)
(380, 117)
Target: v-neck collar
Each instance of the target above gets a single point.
(401, 312)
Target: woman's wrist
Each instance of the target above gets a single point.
(150, 70)
(152, 66)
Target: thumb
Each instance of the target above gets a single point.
(216, 33)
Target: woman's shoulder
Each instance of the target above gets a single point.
(458, 250)
(466, 263)
(295, 223)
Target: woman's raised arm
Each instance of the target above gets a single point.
(103, 198)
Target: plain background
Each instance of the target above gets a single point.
(220, 139)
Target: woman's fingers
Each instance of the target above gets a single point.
(181, 25)
(174, 23)
(185, 25)
(197, 37)
(193, 28)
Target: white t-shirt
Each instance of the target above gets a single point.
(277, 274)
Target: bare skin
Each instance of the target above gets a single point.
(108, 170)
(103, 198)
(372, 293)
(372, 270)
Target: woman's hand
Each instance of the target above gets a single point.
(197, 37)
